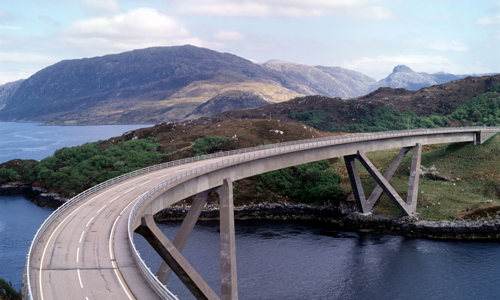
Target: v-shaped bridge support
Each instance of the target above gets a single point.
(174, 261)
(364, 205)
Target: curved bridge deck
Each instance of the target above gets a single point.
(85, 249)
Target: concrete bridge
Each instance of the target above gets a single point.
(86, 250)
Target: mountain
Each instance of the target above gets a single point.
(170, 83)
(148, 85)
(6, 92)
(159, 84)
(404, 77)
(231, 100)
(320, 80)
(432, 105)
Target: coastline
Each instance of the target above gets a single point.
(36, 195)
(343, 217)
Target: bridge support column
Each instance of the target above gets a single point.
(229, 283)
(365, 206)
(185, 230)
(169, 253)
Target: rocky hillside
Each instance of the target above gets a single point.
(231, 100)
(6, 92)
(153, 85)
(169, 83)
(131, 86)
(395, 107)
(404, 77)
(327, 81)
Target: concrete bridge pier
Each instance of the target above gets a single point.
(174, 261)
(408, 208)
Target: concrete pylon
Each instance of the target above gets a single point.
(364, 205)
(173, 260)
(229, 282)
(185, 230)
(169, 253)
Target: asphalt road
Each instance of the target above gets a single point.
(84, 254)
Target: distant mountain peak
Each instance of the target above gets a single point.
(402, 69)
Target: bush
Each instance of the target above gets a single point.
(7, 292)
(8, 175)
(313, 118)
(72, 170)
(208, 144)
(309, 183)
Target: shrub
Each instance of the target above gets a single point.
(309, 183)
(208, 144)
(7, 292)
(8, 175)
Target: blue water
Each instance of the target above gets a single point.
(19, 221)
(294, 261)
(33, 141)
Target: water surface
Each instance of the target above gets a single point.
(297, 261)
(33, 141)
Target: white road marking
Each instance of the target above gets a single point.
(143, 183)
(129, 190)
(79, 278)
(81, 236)
(111, 252)
(77, 254)
(113, 200)
(90, 221)
(101, 209)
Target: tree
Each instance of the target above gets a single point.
(7, 292)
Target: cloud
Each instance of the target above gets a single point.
(25, 58)
(138, 28)
(17, 65)
(444, 46)
(285, 8)
(489, 21)
(228, 35)
(5, 16)
(380, 66)
(100, 6)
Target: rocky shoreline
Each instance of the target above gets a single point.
(345, 218)
(36, 195)
(342, 217)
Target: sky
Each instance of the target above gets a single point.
(369, 36)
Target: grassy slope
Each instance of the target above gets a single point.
(473, 169)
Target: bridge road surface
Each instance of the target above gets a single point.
(76, 260)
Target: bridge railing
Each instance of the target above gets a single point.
(328, 140)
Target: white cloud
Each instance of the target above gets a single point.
(25, 58)
(444, 46)
(18, 65)
(376, 13)
(9, 27)
(139, 28)
(228, 35)
(382, 65)
(224, 9)
(100, 6)
(489, 21)
(285, 8)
